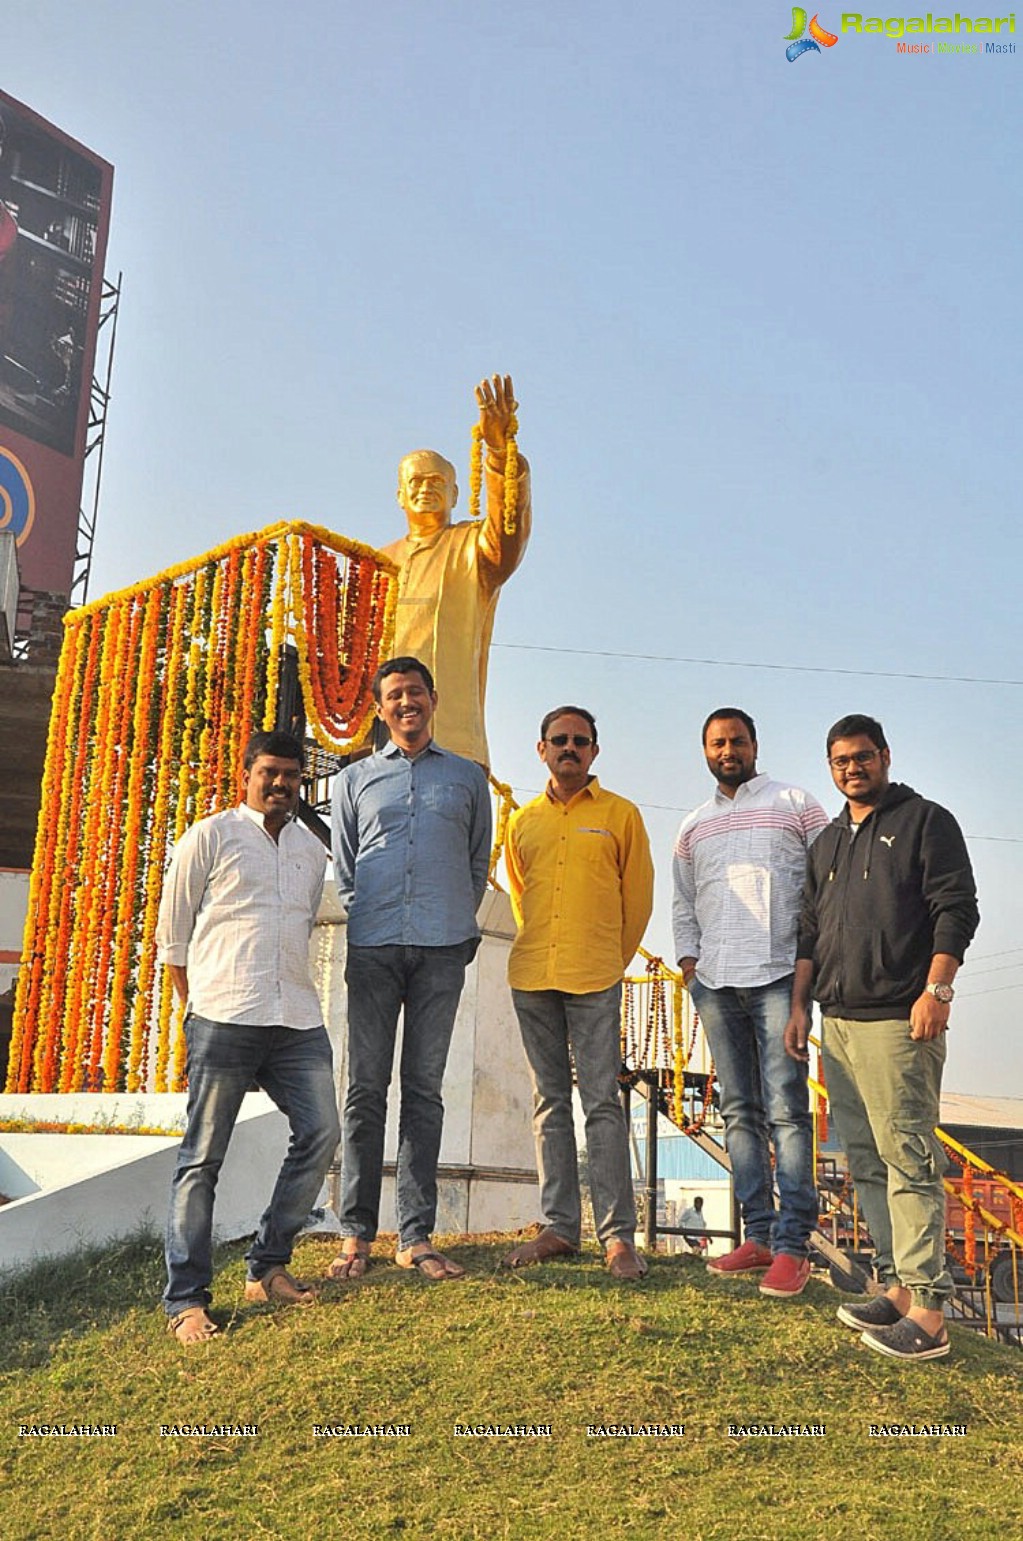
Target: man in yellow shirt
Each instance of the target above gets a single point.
(581, 882)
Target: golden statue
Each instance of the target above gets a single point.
(451, 574)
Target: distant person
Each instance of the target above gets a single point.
(411, 830)
(694, 1226)
(236, 915)
(581, 883)
(450, 575)
(738, 871)
(889, 909)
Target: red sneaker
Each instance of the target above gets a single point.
(786, 1276)
(751, 1257)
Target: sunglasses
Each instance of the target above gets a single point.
(577, 740)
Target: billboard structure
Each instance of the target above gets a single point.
(54, 215)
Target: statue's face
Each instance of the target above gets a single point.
(427, 491)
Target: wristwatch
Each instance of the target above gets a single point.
(943, 993)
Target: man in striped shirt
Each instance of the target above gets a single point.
(739, 864)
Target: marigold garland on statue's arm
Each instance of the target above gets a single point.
(511, 478)
(475, 471)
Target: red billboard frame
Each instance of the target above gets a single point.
(55, 198)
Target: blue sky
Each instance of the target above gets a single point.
(764, 325)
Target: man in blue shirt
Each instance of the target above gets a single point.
(411, 830)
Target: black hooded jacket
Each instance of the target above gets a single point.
(877, 906)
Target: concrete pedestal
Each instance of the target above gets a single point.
(487, 1172)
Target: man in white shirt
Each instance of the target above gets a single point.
(739, 865)
(238, 907)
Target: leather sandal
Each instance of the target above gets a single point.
(543, 1247)
(432, 1265)
(192, 1325)
(277, 1288)
(624, 1262)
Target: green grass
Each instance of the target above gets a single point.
(84, 1341)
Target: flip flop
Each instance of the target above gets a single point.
(416, 1260)
(192, 1325)
(351, 1262)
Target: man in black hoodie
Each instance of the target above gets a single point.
(889, 909)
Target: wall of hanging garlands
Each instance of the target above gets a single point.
(158, 689)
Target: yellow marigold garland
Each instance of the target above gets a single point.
(475, 471)
(510, 511)
(511, 478)
(66, 684)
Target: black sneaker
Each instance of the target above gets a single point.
(878, 1312)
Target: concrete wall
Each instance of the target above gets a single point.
(13, 908)
(74, 1190)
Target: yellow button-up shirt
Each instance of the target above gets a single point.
(582, 884)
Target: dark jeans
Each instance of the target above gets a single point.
(295, 1069)
(382, 981)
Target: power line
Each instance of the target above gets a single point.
(734, 663)
(671, 808)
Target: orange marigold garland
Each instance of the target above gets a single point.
(157, 688)
(51, 1047)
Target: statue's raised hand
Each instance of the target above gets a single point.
(497, 404)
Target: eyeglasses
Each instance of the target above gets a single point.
(577, 740)
(861, 757)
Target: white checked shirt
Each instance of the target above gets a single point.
(738, 871)
(237, 910)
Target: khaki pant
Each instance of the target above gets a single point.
(884, 1091)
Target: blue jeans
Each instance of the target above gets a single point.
(763, 1094)
(550, 1021)
(294, 1068)
(427, 982)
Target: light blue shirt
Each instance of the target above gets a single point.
(411, 842)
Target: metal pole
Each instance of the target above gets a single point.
(650, 1189)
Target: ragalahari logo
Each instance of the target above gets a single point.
(798, 44)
